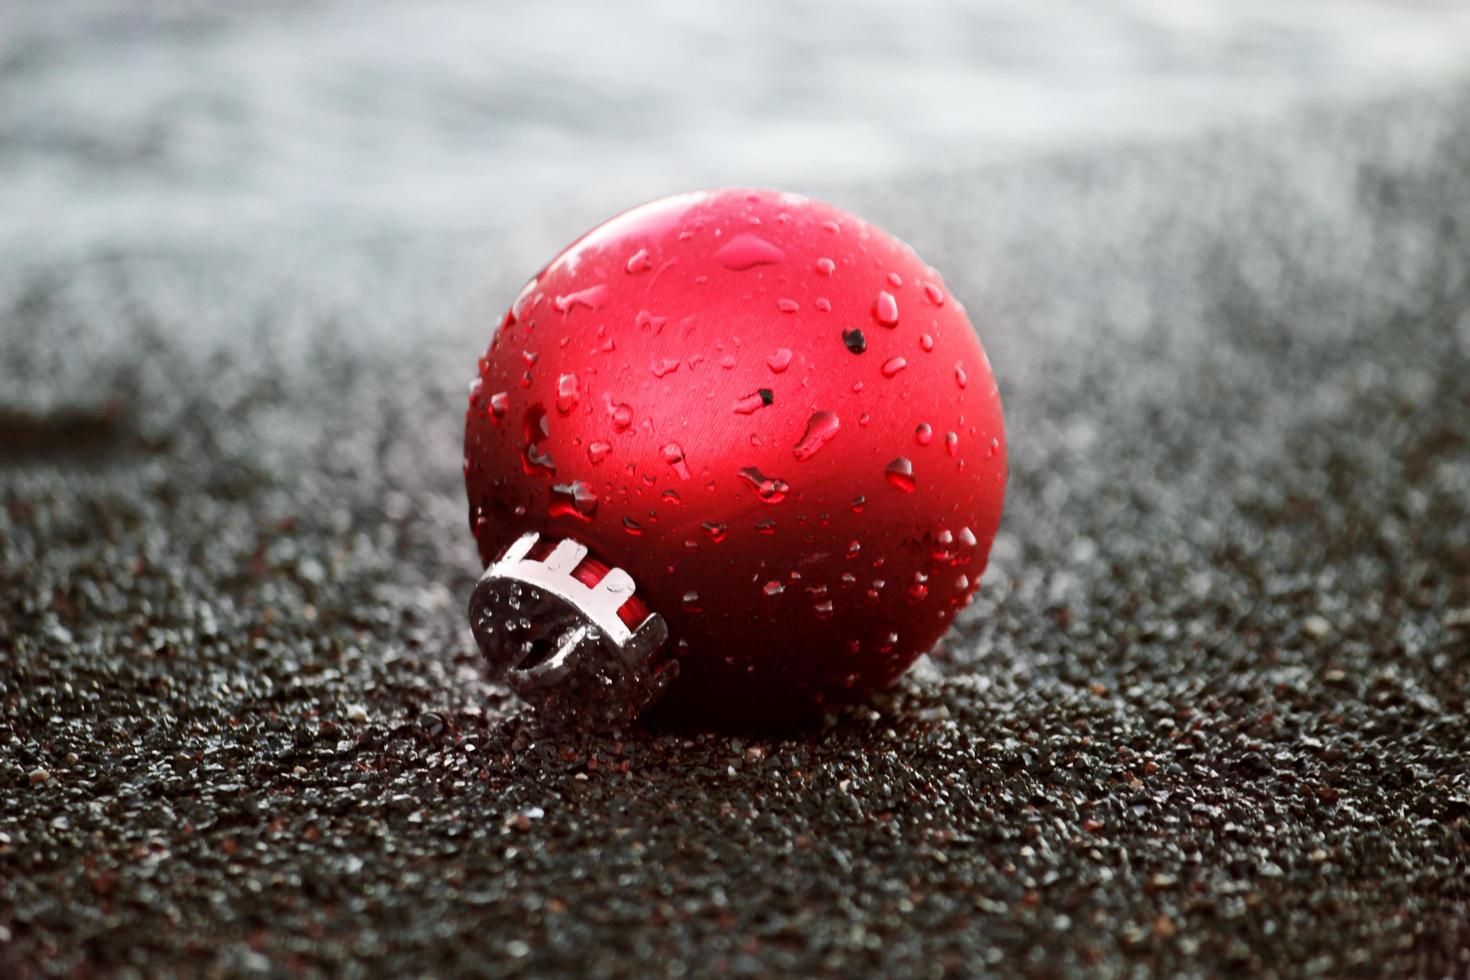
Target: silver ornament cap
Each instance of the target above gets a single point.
(560, 644)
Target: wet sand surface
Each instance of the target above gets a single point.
(1208, 713)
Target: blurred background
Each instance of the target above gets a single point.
(1208, 712)
(141, 124)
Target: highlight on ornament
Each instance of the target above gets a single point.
(734, 456)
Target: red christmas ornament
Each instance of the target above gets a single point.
(775, 426)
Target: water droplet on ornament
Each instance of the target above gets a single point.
(534, 457)
(820, 429)
(567, 394)
(754, 401)
(960, 377)
(767, 527)
(825, 266)
(924, 434)
(823, 303)
(857, 503)
(691, 602)
(823, 609)
(667, 365)
(854, 548)
(934, 294)
(575, 499)
(900, 473)
(779, 361)
(747, 251)
(894, 365)
(773, 588)
(632, 526)
(918, 590)
(639, 261)
(622, 417)
(951, 444)
(591, 298)
(674, 456)
(885, 309)
(926, 342)
(645, 320)
(895, 280)
(499, 402)
(994, 448)
(715, 531)
(597, 451)
(787, 305)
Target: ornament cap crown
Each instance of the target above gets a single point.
(560, 643)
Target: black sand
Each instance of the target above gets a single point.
(1208, 715)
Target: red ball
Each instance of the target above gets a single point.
(774, 417)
